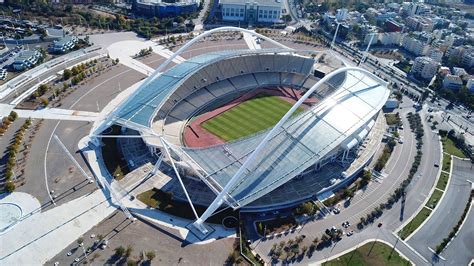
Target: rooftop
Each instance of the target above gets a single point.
(272, 3)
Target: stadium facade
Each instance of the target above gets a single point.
(241, 172)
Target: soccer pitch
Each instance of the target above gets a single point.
(248, 117)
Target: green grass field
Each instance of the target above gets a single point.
(434, 199)
(415, 223)
(249, 117)
(370, 254)
(450, 147)
(443, 181)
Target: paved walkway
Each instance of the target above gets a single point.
(58, 114)
(49, 113)
(125, 50)
(198, 22)
(162, 51)
(5, 109)
(251, 42)
(43, 235)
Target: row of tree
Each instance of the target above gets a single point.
(456, 228)
(12, 155)
(7, 121)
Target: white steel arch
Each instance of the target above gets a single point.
(219, 200)
(181, 50)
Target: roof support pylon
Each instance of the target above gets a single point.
(168, 154)
(219, 200)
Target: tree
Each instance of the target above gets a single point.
(150, 255)
(260, 227)
(131, 263)
(10, 186)
(44, 101)
(80, 240)
(119, 251)
(128, 251)
(67, 74)
(13, 115)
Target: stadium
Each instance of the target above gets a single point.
(254, 129)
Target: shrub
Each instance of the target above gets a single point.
(128, 251)
(10, 186)
(119, 251)
(150, 255)
(67, 74)
(13, 115)
(44, 101)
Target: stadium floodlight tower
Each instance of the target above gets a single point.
(223, 195)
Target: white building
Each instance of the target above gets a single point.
(26, 59)
(435, 54)
(386, 16)
(390, 38)
(368, 37)
(255, 11)
(414, 45)
(459, 71)
(452, 82)
(468, 59)
(470, 85)
(64, 44)
(425, 67)
(341, 14)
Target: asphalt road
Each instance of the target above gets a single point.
(452, 205)
(45, 75)
(424, 179)
(397, 170)
(48, 168)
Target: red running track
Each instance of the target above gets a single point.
(195, 136)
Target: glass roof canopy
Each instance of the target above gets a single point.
(300, 143)
(141, 107)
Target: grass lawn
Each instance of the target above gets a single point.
(446, 162)
(434, 199)
(113, 159)
(164, 201)
(249, 117)
(415, 223)
(392, 119)
(443, 181)
(373, 253)
(450, 147)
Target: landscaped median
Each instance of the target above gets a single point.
(456, 228)
(414, 223)
(433, 201)
(452, 146)
(372, 253)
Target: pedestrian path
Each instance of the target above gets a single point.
(126, 50)
(40, 237)
(251, 42)
(57, 114)
(162, 51)
(5, 109)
